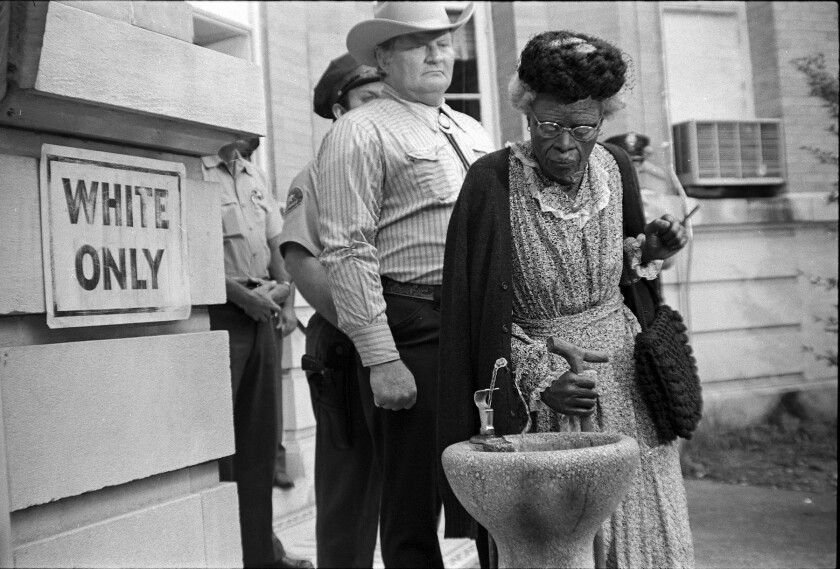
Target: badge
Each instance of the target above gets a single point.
(256, 196)
(294, 199)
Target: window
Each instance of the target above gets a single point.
(708, 71)
(223, 26)
(472, 91)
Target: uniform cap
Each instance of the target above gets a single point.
(343, 74)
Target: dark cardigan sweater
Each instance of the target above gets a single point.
(476, 311)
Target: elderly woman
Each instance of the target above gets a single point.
(536, 249)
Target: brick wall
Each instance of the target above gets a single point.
(634, 28)
(301, 39)
(779, 33)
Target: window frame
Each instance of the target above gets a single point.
(487, 95)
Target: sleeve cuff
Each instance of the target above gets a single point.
(636, 270)
(375, 344)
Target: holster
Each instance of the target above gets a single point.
(330, 382)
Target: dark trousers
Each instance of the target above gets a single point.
(404, 441)
(347, 482)
(252, 369)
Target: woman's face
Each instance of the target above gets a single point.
(563, 158)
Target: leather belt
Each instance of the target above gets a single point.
(429, 293)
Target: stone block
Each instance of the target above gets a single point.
(46, 520)
(205, 241)
(733, 305)
(85, 415)
(113, 64)
(21, 266)
(165, 535)
(173, 19)
(29, 329)
(733, 406)
(220, 517)
(121, 11)
(743, 254)
(743, 354)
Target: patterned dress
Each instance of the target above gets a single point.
(567, 264)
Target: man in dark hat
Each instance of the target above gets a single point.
(347, 485)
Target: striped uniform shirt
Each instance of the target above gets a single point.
(388, 179)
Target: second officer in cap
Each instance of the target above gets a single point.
(347, 486)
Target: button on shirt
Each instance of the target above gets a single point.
(387, 181)
(250, 217)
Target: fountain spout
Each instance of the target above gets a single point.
(485, 412)
(486, 439)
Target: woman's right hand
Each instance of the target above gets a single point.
(571, 394)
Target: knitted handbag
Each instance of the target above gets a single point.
(666, 371)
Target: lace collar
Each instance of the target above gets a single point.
(592, 197)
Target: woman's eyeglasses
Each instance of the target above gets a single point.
(581, 133)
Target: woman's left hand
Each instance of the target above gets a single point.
(664, 237)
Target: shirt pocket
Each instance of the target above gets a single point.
(429, 169)
(231, 220)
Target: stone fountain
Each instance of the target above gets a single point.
(542, 496)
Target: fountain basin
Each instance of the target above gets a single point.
(544, 502)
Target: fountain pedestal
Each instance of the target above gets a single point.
(544, 502)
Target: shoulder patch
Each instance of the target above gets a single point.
(294, 199)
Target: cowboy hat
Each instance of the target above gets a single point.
(393, 19)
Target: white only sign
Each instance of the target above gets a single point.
(114, 240)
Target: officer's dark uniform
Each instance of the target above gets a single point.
(347, 484)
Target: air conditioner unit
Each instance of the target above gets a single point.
(729, 153)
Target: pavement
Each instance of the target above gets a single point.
(734, 527)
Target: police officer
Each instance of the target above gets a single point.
(259, 299)
(347, 486)
(661, 193)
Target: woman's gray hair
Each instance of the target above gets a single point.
(522, 98)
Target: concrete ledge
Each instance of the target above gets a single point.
(173, 19)
(740, 304)
(163, 535)
(735, 404)
(31, 329)
(88, 60)
(805, 207)
(85, 415)
(737, 354)
(40, 522)
(149, 73)
(220, 514)
(120, 11)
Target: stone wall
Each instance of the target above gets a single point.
(111, 433)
